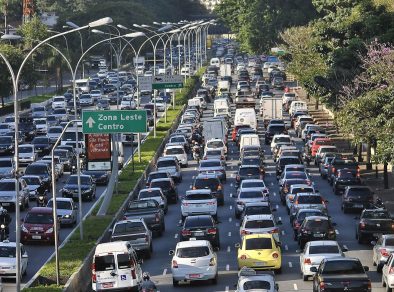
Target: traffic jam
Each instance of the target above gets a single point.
(249, 194)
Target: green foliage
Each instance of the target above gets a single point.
(32, 31)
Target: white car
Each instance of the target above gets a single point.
(95, 94)
(54, 133)
(27, 153)
(59, 102)
(250, 195)
(249, 280)
(198, 202)
(85, 100)
(66, 210)
(41, 125)
(178, 151)
(160, 104)
(215, 144)
(387, 273)
(254, 184)
(128, 103)
(154, 194)
(253, 224)
(383, 247)
(193, 260)
(279, 138)
(8, 259)
(10, 121)
(314, 252)
(242, 83)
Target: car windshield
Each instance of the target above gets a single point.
(199, 221)
(318, 249)
(104, 263)
(215, 144)
(39, 218)
(389, 242)
(7, 252)
(40, 122)
(257, 284)
(282, 139)
(36, 169)
(198, 196)
(55, 130)
(171, 151)
(250, 194)
(6, 163)
(149, 194)
(317, 224)
(309, 200)
(258, 243)
(376, 215)
(259, 224)
(153, 176)
(177, 139)
(257, 210)
(295, 174)
(249, 171)
(141, 205)
(251, 161)
(206, 183)
(276, 128)
(7, 186)
(64, 205)
(73, 180)
(253, 184)
(214, 152)
(342, 267)
(302, 190)
(193, 252)
(354, 192)
(289, 160)
(129, 227)
(32, 180)
(40, 140)
(166, 163)
(210, 163)
(5, 140)
(164, 184)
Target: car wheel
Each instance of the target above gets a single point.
(215, 280)
(360, 238)
(345, 210)
(237, 215)
(278, 271)
(305, 277)
(379, 268)
(383, 282)
(175, 283)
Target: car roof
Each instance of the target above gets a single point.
(161, 179)
(316, 218)
(258, 235)
(252, 180)
(61, 199)
(199, 191)
(323, 242)
(249, 165)
(167, 158)
(259, 217)
(150, 189)
(206, 175)
(257, 204)
(192, 243)
(41, 210)
(130, 220)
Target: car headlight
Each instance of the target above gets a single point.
(24, 229)
(50, 230)
(86, 191)
(2, 226)
(67, 216)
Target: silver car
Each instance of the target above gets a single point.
(7, 168)
(382, 249)
(66, 210)
(7, 193)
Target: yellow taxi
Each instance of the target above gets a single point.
(260, 252)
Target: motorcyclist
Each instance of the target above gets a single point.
(5, 219)
(147, 284)
(196, 151)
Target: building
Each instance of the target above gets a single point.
(210, 4)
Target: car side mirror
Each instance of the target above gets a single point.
(276, 286)
(366, 268)
(279, 222)
(25, 256)
(140, 261)
(298, 250)
(345, 249)
(313, 269)
(334, 224)
(373, 242)
(237, 245)
(273, 210)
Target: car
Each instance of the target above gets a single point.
(66, 157)
(85, 100)
(8, 260)
(259, 224)
(103, 104)
(136, 232)
(260, 252)
(248, 195)
(345, 177)
(210, 182)
(88, 188)
(43, 170)
(214, 154)
(300, 216)
(168, 188)
(283, 161)
(254, 184)
(66, 211)
(383, 247)
(171, 165)
(54, 133)
(213, 166)
(248, 172)
(42, 145)
(128, 103)
(357, 198)
(38, 226)
(41, 125)
(272, 130)
(179, 152)
(58, 102)
(215, 144)
(196, 202)
(7, 168)
(160, 104)
(7, 145)
(156, 174)
(100, 177)
(325, 164)
(387, 274)
(59, 168)
(257, 208)
(315, 228)
(332, 271)
(202, 227)
(250, 280)
(314, 252)
(154, 194)
(8, 193)
(372, 223)
(308, 200)
(193, 260)
(294, 190)
(35, 185)
(280, 138)
(286, 185)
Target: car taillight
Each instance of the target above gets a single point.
(333, 170)
(94, 278)
(186, 232)
(211, 203)
(244, 232)
(322, 286)
(275, 255)
(237, 178)
(212, 262)
(276, 230)
(194, 188)
(211, 231)
(124, 218)
(133, 274)
(297, 225)
(384, 252)
(391, 270)
(157, 218)
(222, 157)
(307, 261)
(362, 225)
(240, 203)
(244, 257)
(174, 264)
(185, 204)
(219, 187)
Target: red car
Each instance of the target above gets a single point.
(38, 226)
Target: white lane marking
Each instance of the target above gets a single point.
(336, 231)
(231, 195)
(345, 247)
(180, 221)
(290, 264)
(227, 267)
(272, 183)
(230, 219)
(164, 272)
(195, 168)
(277, 207)
(279, 218)
(176, 235)
(229, 233)
(227, 288)
(231, 207)
(237, 224)
(193, 177)
(191, 186)
(283, 232)
(286, 247)
(228, 249)
(295, 287)
(274, 194)
(231, 185)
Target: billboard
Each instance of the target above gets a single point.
(98, 151)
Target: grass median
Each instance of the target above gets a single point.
(74, 252)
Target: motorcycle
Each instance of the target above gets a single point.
(196, 153)
(148, 286)
(42, 200)
(3, 232)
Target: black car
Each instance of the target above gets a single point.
(201, 227)
(168, 188)
(300, 216)
(284, 190)
(157, 174)
(66, 157)
(88, 188)
(345, 177)
(357, 198)
(285, 160)
(100, 177)
(315, 228)
(7, 145)
(27, 128)
(211, 182)
(35, 185)
(109, 88)
(248, 172)
(373, 223)
(252, 160)
(273, 130)
(43, 171)
(42, 145)
(341, 274)
(340, 162)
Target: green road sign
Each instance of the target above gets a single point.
(167, 85)
(167, 82)
(115, 121)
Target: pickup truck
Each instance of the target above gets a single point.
(340, 162)
(245, 99)
(150, 211)
(341, 274)
(373, 223)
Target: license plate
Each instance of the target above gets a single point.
(259, 264)
(377, 234)
(36, 236)
(358, 205)
(194, 276)
(197, 205)
(198, 233)
(108, 285)
(318, 235)
(5, 204)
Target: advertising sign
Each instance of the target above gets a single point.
(98, 151)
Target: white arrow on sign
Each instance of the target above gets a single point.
(90, 122)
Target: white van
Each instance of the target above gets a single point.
(245, 116)
(215, 62)
(297, 105)
(221, 107)
(115, 267)
(82, 85)
(249, 140)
